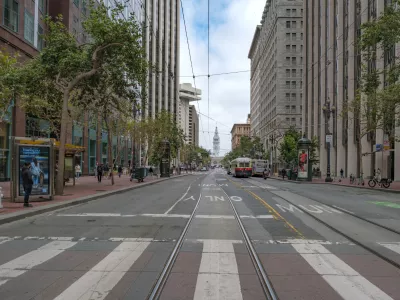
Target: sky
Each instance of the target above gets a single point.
(232, 26)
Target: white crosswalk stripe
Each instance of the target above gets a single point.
(100, 280)
(217, 276)
(346, 281)
(26, 262)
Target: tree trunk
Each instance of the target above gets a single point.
(110, 156)
(61, 151)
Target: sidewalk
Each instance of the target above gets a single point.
(394, 186)
(85, 188)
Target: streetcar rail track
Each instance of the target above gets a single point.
(262, 275)
(353, 240)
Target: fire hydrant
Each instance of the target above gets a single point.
(1, 197)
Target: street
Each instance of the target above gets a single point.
(314, 241)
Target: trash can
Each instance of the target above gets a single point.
(140, 174)
(289, 174)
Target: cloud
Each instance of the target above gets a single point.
(232, 25)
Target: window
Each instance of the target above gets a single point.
(294, 24)
(11, 15)
(76, 2)
(293, 84)
(293, 121)
(287, 24)
(301, 24)
(293, 36)
(287, 109)
(287, 72)
(288, 36)
(293, 72)
(301, 12)
(288, 85)
(42, 6)
(84, 7)
(294, 48)
(301, 84)
(288, 121)
(294, 12)
(293, 61)
(28, 27)
(287, 60)
(287, 48)
(287, 96)
(293, 109)
(301, 36)
(40, 39)
(288, 12)
(293, 96)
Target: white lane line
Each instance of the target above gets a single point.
(165, 216)
(338, 207)
(228, 217)
(392, 246)
(218, 276)
(346, 281)
(179, 200)
(36, 257)
(102, 278)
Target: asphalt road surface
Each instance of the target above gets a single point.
(314, 242)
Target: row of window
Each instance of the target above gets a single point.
(293, 97)
(293, 36)
(293, 12)
(293, 48)
(293, 24)
(293, 85)
(293, 60)
(294, 73)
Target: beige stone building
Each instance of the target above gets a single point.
(332, 73)
(239, 130)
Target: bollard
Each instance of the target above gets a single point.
(1, 197)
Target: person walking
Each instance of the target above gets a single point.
(77, 171)
(119, 171)
(99, 172)
(283, 174)
(151, 171)
(341, 173)
(27, 183)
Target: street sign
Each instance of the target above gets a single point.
(329, 138)
(378, 147)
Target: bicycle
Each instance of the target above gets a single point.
(383, 182)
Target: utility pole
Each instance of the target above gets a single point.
(328, 109)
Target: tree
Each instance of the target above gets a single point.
(154, 131)
(314, 158)
(288, 147)
(8, 80)
(67, 65)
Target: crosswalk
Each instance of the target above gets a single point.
(222, 267)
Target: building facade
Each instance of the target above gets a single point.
(332, 76)
(216, 143)
(161, 37)
(21, 29)
(239, 130)
(276, 55)
(187, 94)
(193, 126)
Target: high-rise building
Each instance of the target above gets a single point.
(21, 32)
(332, 76)
(187, 94)
(277, 70)
(162, 29)
(193, 126)
(239, 130)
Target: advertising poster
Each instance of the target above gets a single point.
(39, 161)
(303, 164)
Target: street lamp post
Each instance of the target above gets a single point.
(328, 109)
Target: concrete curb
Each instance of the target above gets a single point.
(29, 212)
(342, 185)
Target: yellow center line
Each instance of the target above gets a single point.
(276, 214)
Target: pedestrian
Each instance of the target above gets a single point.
(151, 171)
(283, 174)
(27, 183)
(77, 171)
(265, 173)
(95, 169)
(341, 173)
(99, 172)
(120, 171)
